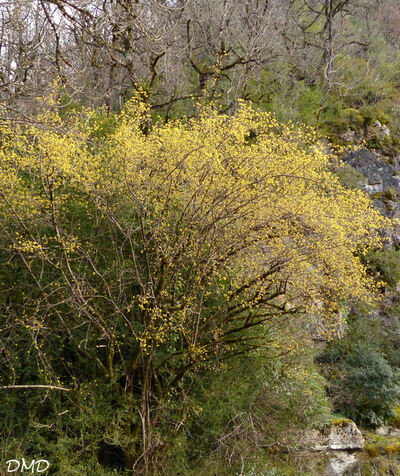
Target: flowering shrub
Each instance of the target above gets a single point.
(135, 256)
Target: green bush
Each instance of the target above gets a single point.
(363, 385)
(372, 385)
(387, 262)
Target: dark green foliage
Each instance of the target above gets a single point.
(363, 378)
(371, 385)
(387, 262)
(79, 433)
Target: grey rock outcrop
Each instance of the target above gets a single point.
(344, 438)
(340, 445)
(380, 175)
(382, 184)
(345, 435)
(388, 431)
(341, 463)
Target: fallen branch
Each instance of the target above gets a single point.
(49, 387)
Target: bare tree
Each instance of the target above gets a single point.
(173, 51)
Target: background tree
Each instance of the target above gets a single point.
(104, 51)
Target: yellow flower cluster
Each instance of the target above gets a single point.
(236, 212)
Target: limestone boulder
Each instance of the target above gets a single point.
(345, 435)
(341, 463)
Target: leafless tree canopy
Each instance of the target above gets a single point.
(175, 49)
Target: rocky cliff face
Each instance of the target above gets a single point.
(382, 183)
